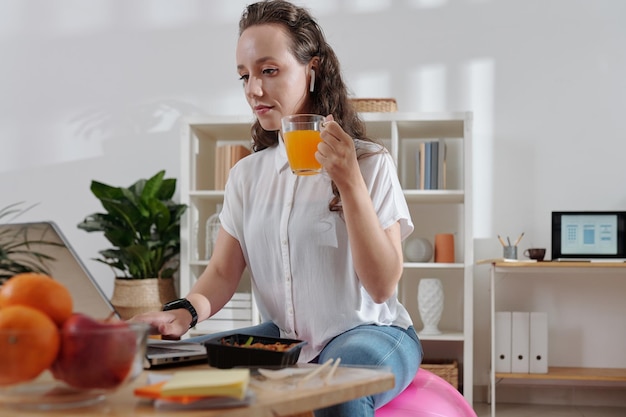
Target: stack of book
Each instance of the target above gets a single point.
(226, 156)
(431, 165)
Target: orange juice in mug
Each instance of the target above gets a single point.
(301, 133)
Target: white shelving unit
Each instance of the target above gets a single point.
(566, 273)
(433, 211)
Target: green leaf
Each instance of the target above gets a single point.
(142, 222)
(19, 250)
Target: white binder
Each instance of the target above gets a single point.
(538, 357)
(520, 341)
(503, 341)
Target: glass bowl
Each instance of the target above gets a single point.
(92, 363)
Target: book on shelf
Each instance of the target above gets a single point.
(421, 160)
(431, 165)
(434, 165)
(226, 156)
(425, 168)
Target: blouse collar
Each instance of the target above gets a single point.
(281, 156)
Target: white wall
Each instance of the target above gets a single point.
(96, 90)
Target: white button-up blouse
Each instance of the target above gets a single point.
(297, 251)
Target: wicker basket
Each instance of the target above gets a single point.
(375, 104)
(135, 296)
(446, 369)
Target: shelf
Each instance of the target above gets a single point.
(200, 262)
(415, 125)
(213, 196)
(432, 265)
(412, 196)
(557, 266)
(525, 270)
(221, 127)
(207, 194)
(435, 196)
(572, 374)
(445, 336)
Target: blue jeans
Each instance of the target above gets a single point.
(370, 345)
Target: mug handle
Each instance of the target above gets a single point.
(526, 253)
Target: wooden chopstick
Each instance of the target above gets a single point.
(315, 372)
(332, 371)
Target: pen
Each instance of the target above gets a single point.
(501, 241)
(519, 238)
(508, 240)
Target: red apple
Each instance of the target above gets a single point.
(94, 353)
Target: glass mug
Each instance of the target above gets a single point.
(301, 133)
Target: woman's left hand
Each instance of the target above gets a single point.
(337, 153)
(169, 324)
(377, 252)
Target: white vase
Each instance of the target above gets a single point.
(212, 228)
(430, 304)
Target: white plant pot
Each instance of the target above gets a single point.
(430, 304)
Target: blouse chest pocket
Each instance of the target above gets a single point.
(316, 225)
(329, 228)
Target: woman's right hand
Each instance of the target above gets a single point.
(170, 324)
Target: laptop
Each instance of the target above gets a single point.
(67, 268)
(589, 236)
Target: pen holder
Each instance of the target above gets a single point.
(509, 252)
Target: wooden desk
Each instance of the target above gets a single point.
(348, 383)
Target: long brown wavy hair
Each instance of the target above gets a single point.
(307, 41)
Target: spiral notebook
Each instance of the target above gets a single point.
(67, 268)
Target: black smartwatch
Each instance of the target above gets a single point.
(183, 303)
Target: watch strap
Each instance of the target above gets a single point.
(183, 303)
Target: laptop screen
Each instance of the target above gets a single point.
(66, 267)
(589, 234)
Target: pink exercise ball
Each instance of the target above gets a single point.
(428, 395)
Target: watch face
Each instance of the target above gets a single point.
(183, 303)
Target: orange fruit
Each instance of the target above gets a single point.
(29, 342)
(38, 291)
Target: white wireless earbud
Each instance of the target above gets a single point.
(312, 86)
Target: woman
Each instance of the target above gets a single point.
(324, 251)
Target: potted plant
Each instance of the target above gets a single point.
(142, 222)
(19, 251)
